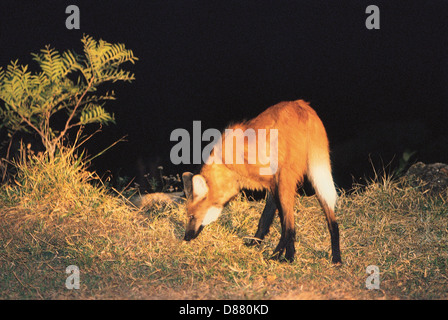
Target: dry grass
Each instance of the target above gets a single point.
(53, 217)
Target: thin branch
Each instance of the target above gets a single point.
(32, 125)
(67, 124)
(39, 131)
(86, 138)
(5, 171)
(113, 144)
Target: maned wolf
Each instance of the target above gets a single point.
(301, 149)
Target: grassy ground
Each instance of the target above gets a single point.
(52, 217)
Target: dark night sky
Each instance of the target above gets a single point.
(378, 92)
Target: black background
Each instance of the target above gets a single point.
(378, 92)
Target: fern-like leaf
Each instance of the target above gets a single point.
(67, 82)
(70, 62)
(51, 63)
(94, 113)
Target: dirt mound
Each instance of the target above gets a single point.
(431, 178)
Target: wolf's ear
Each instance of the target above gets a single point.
(188, 186)
(200, 188)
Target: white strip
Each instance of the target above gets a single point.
(211, 215)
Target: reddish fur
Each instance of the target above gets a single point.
(298, 127)
(302, 142)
